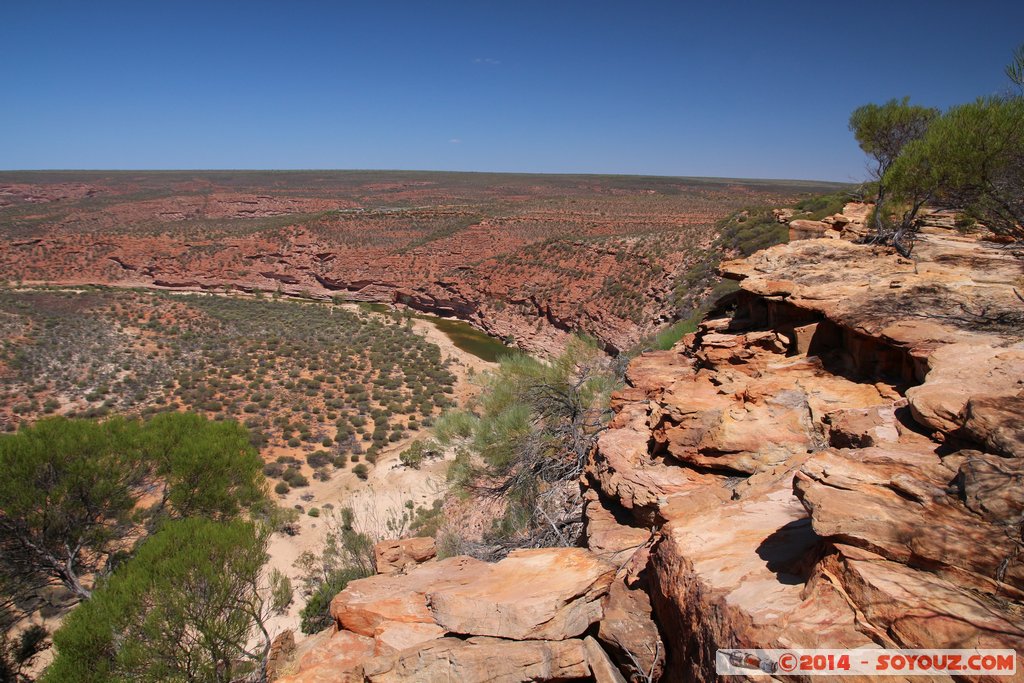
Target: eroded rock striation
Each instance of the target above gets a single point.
(521, 619)
(836, 462)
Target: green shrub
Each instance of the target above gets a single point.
(316, 616)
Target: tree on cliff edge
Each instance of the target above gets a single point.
(882, 131)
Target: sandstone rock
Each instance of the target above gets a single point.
(606, 536)
(803, 335)
(889, 536)
(993, 487)
(916, 609)
(542, 594)
(481, 659)
(395, 555)
(998, 423)
(337, 660)
(367, 606)
(628, 628)
(398, 635)
(734, 576)
(623, 470)
(896, 503)
(862, 427)
(654, 370)
(802, 229)
(960, 372)
(280, 649)
(601, 666)
(840, 221)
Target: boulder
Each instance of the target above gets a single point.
(802, 229)
(338, 659)
(628, 628)
(395, 555)
(368, 606)
(480, 659)
(601, 666)
(541, 594)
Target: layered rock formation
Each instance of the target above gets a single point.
(531, 258)
(836, 463)
(522, 619)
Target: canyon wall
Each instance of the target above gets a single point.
(526, 258)
(834, 462)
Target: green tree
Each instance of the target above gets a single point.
(70, 488)
(976, 157)
(203, 467)
(65, 494)
(882, 131)
(190, 606)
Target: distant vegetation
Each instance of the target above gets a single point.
(318, 381)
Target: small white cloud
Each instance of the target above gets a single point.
(455, 141)
(486, 60)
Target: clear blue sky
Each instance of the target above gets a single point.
(733, 88)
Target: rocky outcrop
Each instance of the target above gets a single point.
(521, 619)
(395, 555)
(838, 463)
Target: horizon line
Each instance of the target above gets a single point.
(420, 170)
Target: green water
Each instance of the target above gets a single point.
(463, 335)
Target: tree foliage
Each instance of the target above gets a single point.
(190, 606)
(972, 158)
(883, 131)
(66, 494)
(74, 492)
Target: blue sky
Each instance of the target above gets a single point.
(731, 88)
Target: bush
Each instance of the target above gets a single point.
(361, 471)
(316, 614)
(282, 488)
